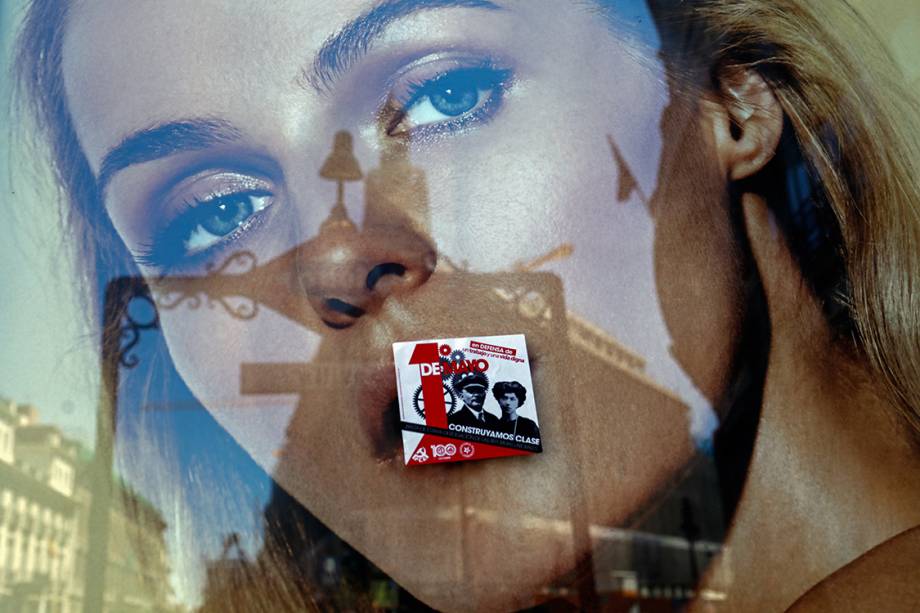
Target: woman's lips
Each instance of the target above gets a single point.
(378, 410)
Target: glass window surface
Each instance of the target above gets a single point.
(648, 268)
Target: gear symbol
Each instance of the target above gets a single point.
(450, 401)
(449, 364)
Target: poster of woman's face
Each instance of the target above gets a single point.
(646, 190)
(215, 142)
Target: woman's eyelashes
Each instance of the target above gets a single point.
(222, 216)
(431, 101)
(203, 229)
(448, 101)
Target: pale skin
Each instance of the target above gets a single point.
(447, 536)
(509, 404)
(473, 397)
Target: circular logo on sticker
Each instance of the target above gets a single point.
(443, 452)
(467, 450)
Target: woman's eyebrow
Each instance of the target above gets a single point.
(336, 55)
(162, 140)
(353, 40)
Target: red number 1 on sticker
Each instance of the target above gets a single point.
(429, 364)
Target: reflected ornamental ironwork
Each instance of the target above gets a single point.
(132, 327)
(189, 293)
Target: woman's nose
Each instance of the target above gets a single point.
(347, 272)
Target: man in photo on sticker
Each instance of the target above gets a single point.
(511, 395)
(471, 387)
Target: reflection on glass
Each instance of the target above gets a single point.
(47, 540)
(653, 195)
(345, 276)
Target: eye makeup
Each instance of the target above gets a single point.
(436, 97)
(445, 96)
(207, 214)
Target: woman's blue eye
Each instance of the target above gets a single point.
(219, 217)
(202, 228)
(226, 215)
(451, 99)
(454, 95)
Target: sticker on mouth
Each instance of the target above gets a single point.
(465, 399)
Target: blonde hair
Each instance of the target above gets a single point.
(857, 127)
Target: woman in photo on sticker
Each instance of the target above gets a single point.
(511, 396)
(702, 215)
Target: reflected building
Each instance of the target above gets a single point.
(661, 553)
(657, 557)
(658, 554)
(44, 536)
(38, 513)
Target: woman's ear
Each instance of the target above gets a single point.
(746, 122)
